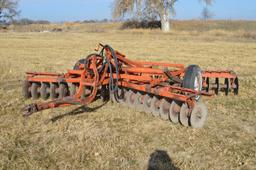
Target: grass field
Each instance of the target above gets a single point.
(116, 137)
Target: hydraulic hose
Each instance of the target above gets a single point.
(113, 84)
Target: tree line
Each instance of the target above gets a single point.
(139, 10)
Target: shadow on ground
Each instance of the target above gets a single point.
(79, 110)
(160, 160)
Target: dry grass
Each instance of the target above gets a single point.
(228, 25)
(113, 136)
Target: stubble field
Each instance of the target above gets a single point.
(118, 137)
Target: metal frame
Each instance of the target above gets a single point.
(147, 77)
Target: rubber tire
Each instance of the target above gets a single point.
(184, 115)
(35, 91)
(195, 120)
(191, 73)
(173, 113)
(26, 92)
(81, 61)
(44, 91)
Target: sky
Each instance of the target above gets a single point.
(73, 10)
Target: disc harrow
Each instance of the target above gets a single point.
(170, 91)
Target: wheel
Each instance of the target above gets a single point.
(26, 89)
(174, 111)
(93, 64)
(78, 63)
(35, 90)
(198, 115)
(236, 89)
(87, 93)
(84, 61)
(227, 86)
(164, 109)
(63, 90)
(53, 91)
(184, 114)
(139, 101)
(193, 79)
(131, 99)
(155, 106)
(147, 103)
(44, 91)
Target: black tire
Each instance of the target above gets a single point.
(35, 91)
(44, 91)
(81, 61)
(26, 92)
(193, 73)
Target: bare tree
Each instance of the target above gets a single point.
(207, 2)
(8, 10)
(163, 8)
(160, 8)
(153, 8)
(123, 7)
(206, 13)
